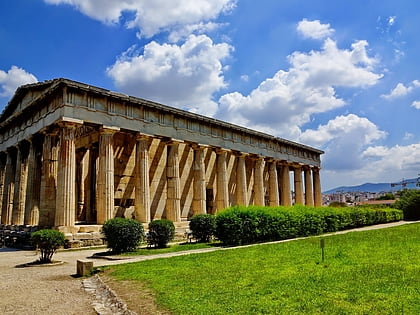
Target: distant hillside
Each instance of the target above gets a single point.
(374, 187)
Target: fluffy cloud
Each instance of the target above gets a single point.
(416, 104)
(12, 79)
(343, 139)
(185, 76)
(401, 90)
(153, 17)
(283, 103)
(314, 29)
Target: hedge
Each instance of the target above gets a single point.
(123, 235)
(245, 225)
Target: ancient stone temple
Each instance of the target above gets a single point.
(72, 154)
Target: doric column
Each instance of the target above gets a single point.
(222, 193)
(9, 178)
(273, 189)
(3, 158)
(241, 187)
(82, 183)
(199, 168)
(317, 188)
(21, 178)
(173, 200)
(142, 182)
(33, 187)
(259, 182)
(309, 195)
(297, 177)
(66, 177)
(48, 179)
(105, 180)
(285, 186)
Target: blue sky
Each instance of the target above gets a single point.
(342, 76)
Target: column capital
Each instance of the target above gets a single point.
(219, 150)
(104, 130)
(142, 136)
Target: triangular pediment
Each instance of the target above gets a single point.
(25, 96)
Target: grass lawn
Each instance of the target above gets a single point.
(144, 251)
(370, 272)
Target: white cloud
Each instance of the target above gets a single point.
(282, 104)
(343, 139)
(12, 79)
(401, 90)
(184, 76)
(416, 104)
(153, 17)
(408, 136)
(314, 29)
(391, 20)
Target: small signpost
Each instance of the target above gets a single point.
(322, 245)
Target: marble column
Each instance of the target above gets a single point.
(259, 199)
(142, 181)
(222, 192)
(199, 186)
(273, 189)
(3, 158)
(9, 188)
(286, 199)
(241, 184)
(105, 179)
(309, 195)
(173, 200)
(66, 177)
(317, 188)
(83, 183)
(297, 178)
(48, 179)
(21, 178)
(33, 187)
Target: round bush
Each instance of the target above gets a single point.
(203, 227)
(47, 241)
(123, 235)
(161, 232)
(409, 203)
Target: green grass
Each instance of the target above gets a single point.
(144, 251)
(371, 272)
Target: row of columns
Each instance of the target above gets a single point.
(53, 201)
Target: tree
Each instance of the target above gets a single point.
(47, 241)
(409, 203)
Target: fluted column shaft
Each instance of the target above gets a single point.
(66, 178)
(298, 186)
(241, 187)
(142, 182)
(105, 180)
(273, 185)
(317, 188)
(309, 195)
(259, 182)
(199, 168)
(48, 180)
(3, 159)
(21, 178)
(285, 186)
(33, 188)
(222, 193)
(7, 204)
(173, 200)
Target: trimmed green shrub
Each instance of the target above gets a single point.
(203, 227)
(244, 225)
(123, 235)
(409, 203)
(161, 232)
(47, 241)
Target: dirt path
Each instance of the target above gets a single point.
(54, 290)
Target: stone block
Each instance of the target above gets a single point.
(82, 236)
(68, 236)
(73, 244)
(84, 267)
(89, 228)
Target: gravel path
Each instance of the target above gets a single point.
(55, 290)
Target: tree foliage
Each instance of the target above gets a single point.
(47, 241)
(123, 235)
(409, 203)
(161, 232)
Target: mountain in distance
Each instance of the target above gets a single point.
(376, 187)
